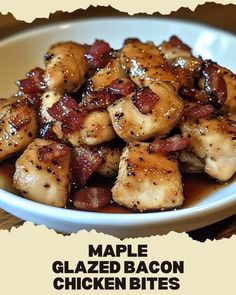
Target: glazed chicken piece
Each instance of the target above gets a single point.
(106, 75)
(153, 112)
(147, 181)
(43, 172)
(18, 126)
(220, 84)
(145, 64)
(73, 124)
(180, 58)
(214, 142)
(175, 48)
(48, 99)
(190, 163)
(95, 129)
(110, 154)
(66, 67)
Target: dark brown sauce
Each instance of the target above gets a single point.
(196, 187)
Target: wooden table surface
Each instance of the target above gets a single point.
(214, 14)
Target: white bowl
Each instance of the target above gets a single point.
(20, 53)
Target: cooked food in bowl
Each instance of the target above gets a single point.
(139, 117)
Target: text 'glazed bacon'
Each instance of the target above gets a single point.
(198, 111)
(145, 100)
(52, 151)
(91, 198)
(171, 144)
(84, 164)
(98, 54)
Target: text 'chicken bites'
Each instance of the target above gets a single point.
(118, 126)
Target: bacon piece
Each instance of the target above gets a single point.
(27, 86)
(35, 99)
(62, 107)
(37, 74)
(45, 131)
(52, 151)
(22, 115)
(198, 111)
(145, 100)
(214, 84)
(122, 87)
(171, 144)
(34, 82)
(97, 100)
(98, 54)
(176, 42)
(85, 163)
(73, 120)
(67, 112)
(91, 198)
(194, 94)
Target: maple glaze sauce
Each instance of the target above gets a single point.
(196, 187)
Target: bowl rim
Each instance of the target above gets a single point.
(115, 218)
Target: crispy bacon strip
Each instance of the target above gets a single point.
(145, 100)
(176, 42)
(98, 54)
(66, 111)
(45, 131)
(122, 87)
(84, 164)
(171, 144)
(97, 100)
(91, 198)
(52, 151)
(193, 94)
(21, 115)
(214, 84)
(35, 99)
(198, 111)
(34, 82)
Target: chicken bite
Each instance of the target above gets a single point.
(43, 172)
(220, 84)
(95, 129)
(18, 126)
(106, 75)
(214, 142)
(110, 154)
(48, 99)
(155, 113)
(147, 181)
(180, 58)
(66, 67)
(145, 64)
